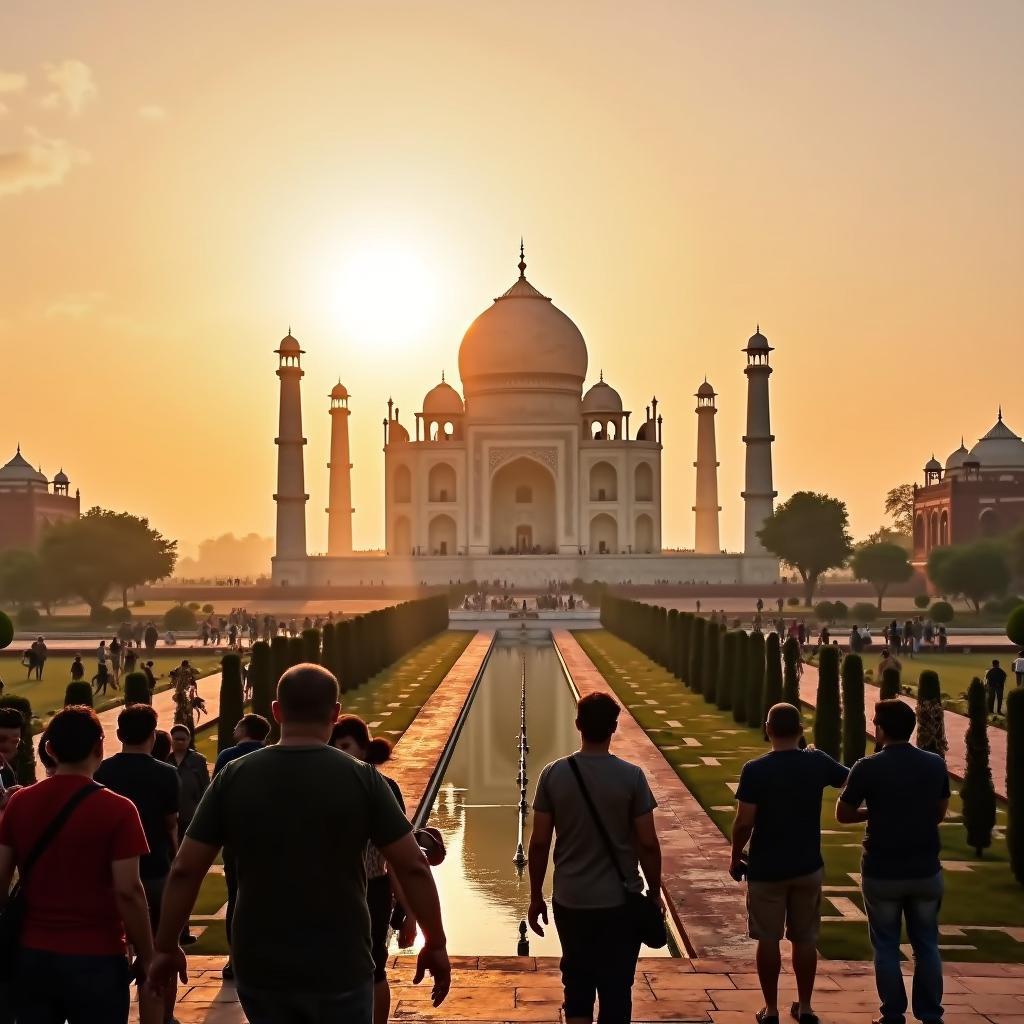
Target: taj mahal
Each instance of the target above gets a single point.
(522, 477)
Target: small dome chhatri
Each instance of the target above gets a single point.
(956, 459)
(705, 390)
(443, 400)
(933, 465)
(758, 342)
(289, 346)
(20, 470)
(61, 478)
(339, 391)
(602, 397)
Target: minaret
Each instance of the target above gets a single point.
(707, 507)
(759, 493)
(339, 509)
(291, 494)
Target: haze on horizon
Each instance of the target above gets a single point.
(179, 184)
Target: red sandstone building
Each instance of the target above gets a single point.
(28, 505)
(978, 493)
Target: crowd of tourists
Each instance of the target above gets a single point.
(321, 861)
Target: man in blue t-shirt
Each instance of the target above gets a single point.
(779, 812)
(906, 791)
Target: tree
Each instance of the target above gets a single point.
(791, 659)
(78, 693)
(712, 656)
(26, 580)
(726, 671)
(826, 713)
(755, 680)
(136, 689)
(899, 506)
(854, 722)
(739, 679)
(811, 533)
(881, 565)
(977, 792)
(931, 721)
(1014, 626)
(772, 672)
(261, 680)
(6, 631)
(889, 685)
(1015, 781)
(697, 638)
(311, 646)
(231, 700)
(975, 571)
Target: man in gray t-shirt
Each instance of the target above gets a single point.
(599, 943)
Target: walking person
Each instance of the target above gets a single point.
(298, 816)
(12, 722)
(778, 812)
(152, 787)
(596, 806)
(77, 669)
(194, 778)
(995, 683)
(906, 793)
(1018, 668)
(76, 846)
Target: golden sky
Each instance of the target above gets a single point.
(180, 182)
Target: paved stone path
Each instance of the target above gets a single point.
(956, 730)
(487, 990)
(163, 705)
(707, 905)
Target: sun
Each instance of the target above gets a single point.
(384, 294)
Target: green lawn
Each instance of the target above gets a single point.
(980, 893)
(47, 694)
(417, 675)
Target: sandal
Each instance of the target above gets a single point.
(762, 1016)
(803, 1018)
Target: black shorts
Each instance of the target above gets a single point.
(379, 901)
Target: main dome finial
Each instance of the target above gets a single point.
(522, 259)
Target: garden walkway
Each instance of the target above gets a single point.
(956, 730)
(163, 705)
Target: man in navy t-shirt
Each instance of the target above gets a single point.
(779, 811)
(906, 791)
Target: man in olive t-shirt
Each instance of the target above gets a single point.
(297, 817)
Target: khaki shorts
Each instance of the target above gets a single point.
(791, 908)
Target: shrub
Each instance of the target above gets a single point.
(6, 631)
(27, 615)
(772, 672)
(839, 609)
(726, 671)
(99, 615)
(208, 608)
(1015, 781)
(231, 700)
(791, 659)
(739, 677)
(697, 653)
(755, 680)
(977, 791)
(179, 617)
(136, 689)
(261, 679)
(138, 603)
(931, 721)
(854, 722)
(793, 602)
(864, 611)
(296, 650)
(24, 763)
(122, 614)
(311, 646)
(1014, 626)
(78, 693)
(193, 606)
(825, 611)
(712, 654)
(941, 612)
(889, 685)
(826, 714)
(921, 601)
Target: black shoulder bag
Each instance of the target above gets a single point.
(644, 913)
(12, 915)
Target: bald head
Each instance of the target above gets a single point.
(307, 694)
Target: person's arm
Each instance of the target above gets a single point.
(742, 830)
(540, 850)
(7, 865)
(848, 806)
(410, 867)
(648, 851)
(941, 811)
(171, 825)
(133, 908)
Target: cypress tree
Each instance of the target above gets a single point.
(697, 654)
(755, 680)
(296, 650)
(977, 792)
(231, 701)
(726, 671)
(772, 672)
(343, 654)
(672, 641)
(826, 714)
(24, 763)
(931, 721)
(1015, 781)
(854, 722)
(311, 646)
(262, 678)
(279, 663)
(664, 647)
(136, 689)
(791, 658)
(739, 677)
(889, 685)
(712, 656)
(79, 693)
(328, 655)
(685, 645)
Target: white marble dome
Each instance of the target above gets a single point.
(20, 471)
(602, 397)
(443, 400)
(1000, 448)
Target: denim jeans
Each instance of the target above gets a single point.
(352, 1007)
(918, 900)
(51, 988)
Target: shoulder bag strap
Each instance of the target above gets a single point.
(53, 828)
(605, 838)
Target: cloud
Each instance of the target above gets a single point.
(73, 306)
(12, 81)
(40, 163)
(152, 112)
(73, 86)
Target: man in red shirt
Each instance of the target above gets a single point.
(83, 893)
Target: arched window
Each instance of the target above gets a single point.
(401, 543)
(919, 532)
(441, 535)
(933, 530)
(612, 430)
(441, 482)
(944, 527)
(403, 484)
(597, 431)
(644, 535)
(524, 494)
(988, 522)
(604, 482)
(643, 482)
